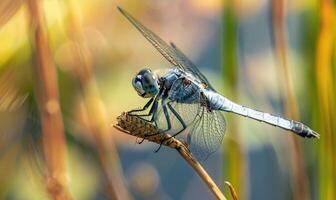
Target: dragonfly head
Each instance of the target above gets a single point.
(146, 83)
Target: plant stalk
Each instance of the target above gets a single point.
(300, 181)
(53, 139)
(326, 91)
(95, 109)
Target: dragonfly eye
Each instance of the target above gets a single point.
(146, 83)
(137, 84)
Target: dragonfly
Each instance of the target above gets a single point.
(186, 102)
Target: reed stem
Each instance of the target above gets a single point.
(234, 161)
(300, 179)
(95, 109)
(326, 94)
(54, 144)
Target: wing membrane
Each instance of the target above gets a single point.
(189, 66)
(187, 112)
(206, 134)
(205, 130)
(171, 53)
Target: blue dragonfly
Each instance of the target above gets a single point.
(184, 100)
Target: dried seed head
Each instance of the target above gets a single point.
(141, 128)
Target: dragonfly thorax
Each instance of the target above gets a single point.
(146, 83)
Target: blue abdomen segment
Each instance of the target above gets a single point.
(218, 102)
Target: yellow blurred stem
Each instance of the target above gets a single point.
(326, 92)
(8, 8)
(54, 144)
(300, 179)
(95, 109)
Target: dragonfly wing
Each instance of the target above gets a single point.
(189, 66)
(205, 129)
(206, 134)
(187, 112)
(167, 51)
(171, 53)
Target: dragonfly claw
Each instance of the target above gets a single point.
(141, 141)
(158, 149)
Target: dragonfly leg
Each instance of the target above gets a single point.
(142, 109)
(153, 112)
(154, 107)
(184, 126)
(165, 111)
(141, 141)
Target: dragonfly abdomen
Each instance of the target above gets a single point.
(215, 100)
(218, 102)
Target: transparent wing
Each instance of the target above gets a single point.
(205, 130)
(189, 66)
(171, 53)
(206, 134)
(187, 112)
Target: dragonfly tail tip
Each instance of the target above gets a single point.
(315, 135)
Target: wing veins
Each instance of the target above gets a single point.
(174, 55)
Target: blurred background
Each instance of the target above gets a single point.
(65, 75)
